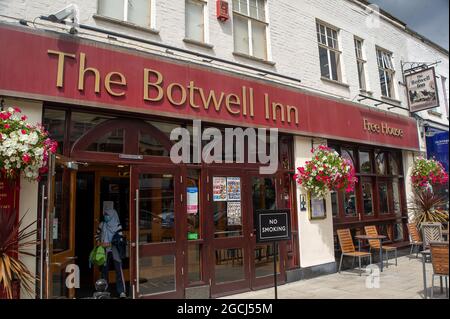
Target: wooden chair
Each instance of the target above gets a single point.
(431, 232)
(416, 240)
(375, 244)
(439, 259)
(348, 248)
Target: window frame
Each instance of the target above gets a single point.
(385, 65)
(125, 14)
(250, 21)
(334, 47)
(360, 62)
(204, 5)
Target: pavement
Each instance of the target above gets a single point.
(404, 281)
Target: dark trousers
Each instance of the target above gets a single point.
(120, 282)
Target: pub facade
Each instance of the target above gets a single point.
(113, 108)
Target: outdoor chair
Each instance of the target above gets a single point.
(416, 240)
(348, 248)
(431, 232)
(375, 244)
(439, 259)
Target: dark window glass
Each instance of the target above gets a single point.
(365, 165)
(348, 154)
(383, 198)
(156, 208)
(81, 123)
(55, 123)
(396, 196)
(334, 203)
(380, 162)
(263, 191)
(394, 163)
(229, 265)
(367, 198)
(324, 66)
(112, 142)
(350, 204)
(151, 146)
(194, 262)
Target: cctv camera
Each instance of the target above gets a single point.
(71, 11)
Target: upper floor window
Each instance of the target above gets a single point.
(133, 11)
(329, 53)
(195, 20)
(250, 27)
(386, 71)
(361, 63)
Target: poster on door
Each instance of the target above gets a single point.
(234, 188)
(192, 200)
(219, 189)
(234, 215)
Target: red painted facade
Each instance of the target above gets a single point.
(27, 69)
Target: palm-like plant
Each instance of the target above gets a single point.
(15, 239)
(427, 206)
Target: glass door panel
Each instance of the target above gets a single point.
(157, 268)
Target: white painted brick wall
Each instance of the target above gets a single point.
(292, 38)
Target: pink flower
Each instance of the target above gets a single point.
(17, 109)
(26, 158)
(7, 126)
(24, 118)
(5, 116)
(24, 132)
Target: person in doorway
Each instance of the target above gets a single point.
(106, 231)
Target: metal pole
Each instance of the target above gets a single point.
(275, 267)
(41, 244)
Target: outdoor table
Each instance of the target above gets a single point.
(367, 237)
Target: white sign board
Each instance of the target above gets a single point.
(422, 90)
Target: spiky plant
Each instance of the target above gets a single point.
(15, 239)
(427, 206)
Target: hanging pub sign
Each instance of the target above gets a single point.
(422, 90)
(272, 225)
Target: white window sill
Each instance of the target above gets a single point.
(250, 57)
(325, 79)
(198, 43)
(366, 92)
(389, 99)
(125, 24)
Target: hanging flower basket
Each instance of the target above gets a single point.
(325, 172)
(426, 173)
(24, 147)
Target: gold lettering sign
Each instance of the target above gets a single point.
(382, 128)
(155, 89)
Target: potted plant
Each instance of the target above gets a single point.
(325, 172)
(24, 147)
(15, 240)
(427, 206)
(426, 173)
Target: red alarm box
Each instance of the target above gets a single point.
(222, 8)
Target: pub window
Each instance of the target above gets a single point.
(195, 20)
(133, 11)
(55, 123)
(112, 142)
(386, 72)
(350, 204)
(329, 53)
(81, 123)
(250, 28)
(334, 204)
(365, 163)
(383, 198)
(148, 145)
(396, 196)
(367, 192)
(380, 163)
(361, 63)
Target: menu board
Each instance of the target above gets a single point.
(219, 189)
(234, 215)
(234, 188)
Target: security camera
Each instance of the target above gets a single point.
(71, 11)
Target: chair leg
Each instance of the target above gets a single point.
(340, 263)
(396, 264)
(418, 251)
(411, 250)
(387, 258)
(432, 286)
(446, 287)
(353, 262)
(359, 261)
